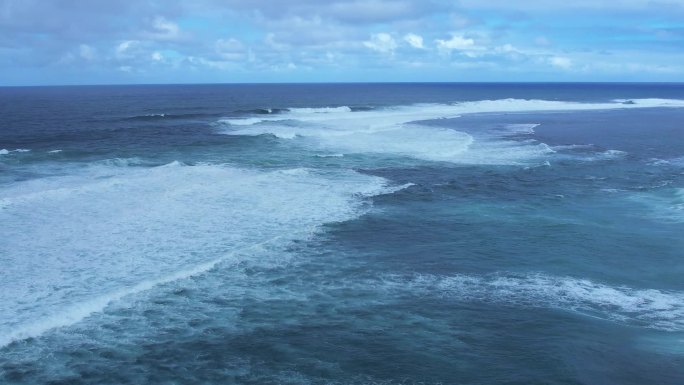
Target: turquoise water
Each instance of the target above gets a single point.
(342, 234)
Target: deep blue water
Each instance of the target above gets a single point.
(342, 234)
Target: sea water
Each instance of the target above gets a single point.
(342, 234)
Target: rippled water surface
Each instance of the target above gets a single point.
(342, 234)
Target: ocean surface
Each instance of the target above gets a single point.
(342, 234)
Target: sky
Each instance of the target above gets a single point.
(46, 42)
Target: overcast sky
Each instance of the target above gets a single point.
(216, 41)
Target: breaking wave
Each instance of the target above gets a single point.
(648, 308)
(127, 229)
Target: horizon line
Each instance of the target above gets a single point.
(342, 83)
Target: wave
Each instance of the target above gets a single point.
(607, 155)
(127, 229)
(165, 116)
(677, 162)
(319, 110)
(650, 102)
(7, 152)
(329, 155)
(589, 152)
(242, 121)
(304, 110)
(123, 162)
(261, 111)
(393, 130)
(574, 147)
(405, 114)
(435, 111)
(665, 205)
(650, 308)
(521, 129)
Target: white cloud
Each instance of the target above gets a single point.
(164, 28)
(381, 42)
(228, 45)
(270, 40)
(230, 49)
(135, 50)
(414, 40)
(123, 49)
(459, 43)
(545, 5)
(456, 42)
(87, 52)
(561, 62)
(372, 10)
(153, 38)
(160, 28)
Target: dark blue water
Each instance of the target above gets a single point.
(342, 234)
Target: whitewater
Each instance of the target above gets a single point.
(331, 237)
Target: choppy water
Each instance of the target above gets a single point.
(342, 234)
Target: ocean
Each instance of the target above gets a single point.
(342, 234)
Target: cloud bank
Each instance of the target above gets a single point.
(148, 41)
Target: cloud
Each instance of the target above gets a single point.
(374, 11)
(414, 40)
(229, 45)
(177, 40)
(381, 42)
(357, 12)
(561, 62)
(163, 29)
(595, 5)
(230, 49)
(459, 43)
(87, 52)
(312, 31)
(126, 49)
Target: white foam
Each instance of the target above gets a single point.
(679, 161)
(609, 155)
(615, 153)
(329, 155)
(6, 152)
(388, 130)
(123, 162)
(72, 244)
(413, 141)
(380, 136)
(665, 205)
(649, 102)
(392, 190)
(573, 147)
(320, 110)
(650, 308)
(521, 129)
(242, 121)
(54, 151)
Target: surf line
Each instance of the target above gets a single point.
(78, 312)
